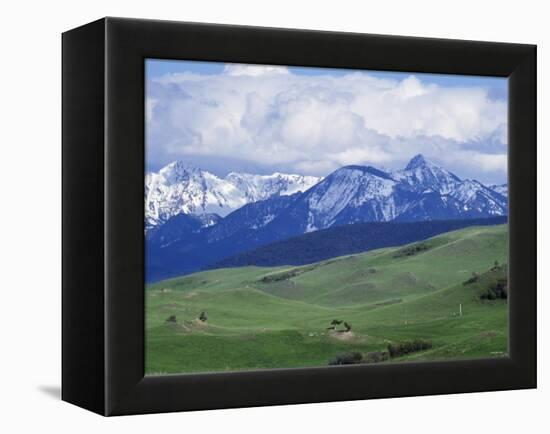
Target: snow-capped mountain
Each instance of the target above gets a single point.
(421, 191)
(179, 188)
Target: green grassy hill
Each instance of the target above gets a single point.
(270, 317)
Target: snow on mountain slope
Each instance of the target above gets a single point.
(260, 187)
(500, 188)
(421, 175)
(180, 188)
(350, 186)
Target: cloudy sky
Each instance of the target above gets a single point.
(261, 119)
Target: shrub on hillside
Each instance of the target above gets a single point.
(376, 357)
(473, 279)
(412, 250)
(171, 319)
(403, 348)
(394, 350)
(351, 358)
(496, 267)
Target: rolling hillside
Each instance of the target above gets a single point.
(269, 317)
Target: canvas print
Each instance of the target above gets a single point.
(303, 217)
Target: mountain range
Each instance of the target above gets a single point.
(195, 219)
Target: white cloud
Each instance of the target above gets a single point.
(275, 119)
(235, 69)
(149, 106)
(490, 162)
(410, 87)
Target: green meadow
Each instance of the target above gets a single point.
(280, 317)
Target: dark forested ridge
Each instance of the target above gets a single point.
(347, 239)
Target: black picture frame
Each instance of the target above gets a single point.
(103, 174)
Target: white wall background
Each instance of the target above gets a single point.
(30, 205)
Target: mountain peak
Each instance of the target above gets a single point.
(417, 161)
(178, 170)
(365, 169)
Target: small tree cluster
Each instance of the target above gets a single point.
(171, 319)
(497, 291)
(394, 350)
(336, 322)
